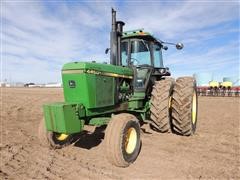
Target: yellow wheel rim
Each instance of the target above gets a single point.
(194, 108)
(131, 140)
(62, 137)
(170, 102)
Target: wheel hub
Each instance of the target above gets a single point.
(131, 140)
(194, 108)
(62, 137)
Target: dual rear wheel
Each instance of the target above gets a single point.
(184, 106)
(174, 106)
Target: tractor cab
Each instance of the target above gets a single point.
(139, 51)
(139, 48)
(143, 53)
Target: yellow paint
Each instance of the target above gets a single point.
(142, 33)
(227, 84)
(131, 140)
(213, 84)
(95, 72)
(72, 71)
(194, 108)
(62, 137)
(170, 102)
(116, 75)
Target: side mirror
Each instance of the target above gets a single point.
(179, 46)
(106, 51)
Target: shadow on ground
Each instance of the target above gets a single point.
(88, 140)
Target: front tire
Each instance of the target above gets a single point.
(184, 106)
(122, 140)
(52, 139)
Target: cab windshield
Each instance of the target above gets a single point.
(140, 53)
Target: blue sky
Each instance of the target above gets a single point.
(38, 37)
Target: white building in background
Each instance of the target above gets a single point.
(36, 85)
(53, 85)
(31, 85)
(18, 84)
(4, 84)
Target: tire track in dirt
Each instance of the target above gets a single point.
(85, 167)
(27, 162)
(14, 158)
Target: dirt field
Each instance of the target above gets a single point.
(214, 152)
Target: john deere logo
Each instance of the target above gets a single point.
(72, 84)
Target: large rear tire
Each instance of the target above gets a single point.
(160, 104)
(52, 139)
(122, 140)
(184, 106)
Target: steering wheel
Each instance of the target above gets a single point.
(135, 62)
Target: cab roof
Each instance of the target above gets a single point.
(138, 33)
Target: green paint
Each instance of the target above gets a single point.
(104, 91)
(137, 100)
(107, 68)
(94, 83)
(99, 121)
(63, 117)
(107, 110)
(138, 95)
(93, 91)
(143, 112)
(135, 104)
(89, 93)
(124, 88)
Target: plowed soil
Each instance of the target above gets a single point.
(212, 153)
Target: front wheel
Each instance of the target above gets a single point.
(52, 139)
(122, 140)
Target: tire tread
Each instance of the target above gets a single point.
(159, 110)
(181, 106)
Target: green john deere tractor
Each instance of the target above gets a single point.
(134, 89)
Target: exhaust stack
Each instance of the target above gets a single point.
(115, 40)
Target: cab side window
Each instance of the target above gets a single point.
(157, 55)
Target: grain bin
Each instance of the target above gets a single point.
(234, 79)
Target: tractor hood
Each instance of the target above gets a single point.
(92, 84)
